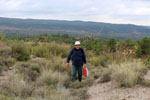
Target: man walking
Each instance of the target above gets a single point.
(78, 57)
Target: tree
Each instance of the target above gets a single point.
(143, 47)
(112, 45)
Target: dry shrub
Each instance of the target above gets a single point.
(118, 57)
(5, 63)
(29, 70)
(6, 60)
(50, 78)
(15, 87)
(58, 64)
(99, 61)
(127, 74)
(5, 51)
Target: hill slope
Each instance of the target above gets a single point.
(14, 26)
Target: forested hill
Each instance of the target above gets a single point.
(12, 26)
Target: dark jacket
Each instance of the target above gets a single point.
(78, 57)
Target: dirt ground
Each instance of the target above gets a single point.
(107, 91)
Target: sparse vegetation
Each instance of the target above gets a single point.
(127, 74)
(41, 73)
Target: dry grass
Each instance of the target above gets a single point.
(6, 59)
(50, 78)
(99, 60)
(127, 74)
(49, 50)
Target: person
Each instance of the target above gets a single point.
(78, 57)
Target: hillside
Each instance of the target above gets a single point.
(36, 69)
(12, 26)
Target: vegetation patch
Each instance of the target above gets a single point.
(127, 74)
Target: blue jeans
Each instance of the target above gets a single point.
(76, 69)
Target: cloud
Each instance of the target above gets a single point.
(114, 11)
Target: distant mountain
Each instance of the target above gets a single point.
(148, 27)
(14, 26)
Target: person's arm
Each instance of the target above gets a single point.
(84, 57)
(69, 56)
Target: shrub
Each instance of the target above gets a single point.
(147, 62)
(139, 52)
(6, 60)
(49, 50)
(29, 70)
(5, 63)
(55, 63)
(143, 47)
(20, 51)
(119, 58)
(50, 78)
(58, 64)
(5, 51)
(112, 45)
(15, 87)
(127, 74)
(41, 51)
(99, 61)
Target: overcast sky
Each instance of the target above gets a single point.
(110, 11)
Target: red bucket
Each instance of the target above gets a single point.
(85, 72)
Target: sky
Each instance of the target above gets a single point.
(109, 11)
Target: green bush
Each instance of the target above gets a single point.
(49, 50)
(112, 45)
(41, 51)
(21, 51)
(143, 47)
(139, 52)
